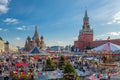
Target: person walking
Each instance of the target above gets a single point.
(109, 76)
(6, 78)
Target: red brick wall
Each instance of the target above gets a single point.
(100, 42)
(78, 44)
(87, 40)
(84, 40)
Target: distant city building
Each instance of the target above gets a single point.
(85, 38)
(6, 47)
(68, 48)
(9, 48)
(36, 41)
(56, 48)
(1, 45)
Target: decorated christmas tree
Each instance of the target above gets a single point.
(61, 63)
(70, 73)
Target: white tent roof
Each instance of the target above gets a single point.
(108, 47)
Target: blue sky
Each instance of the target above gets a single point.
(59, 21)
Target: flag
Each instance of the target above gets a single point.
(108, 39)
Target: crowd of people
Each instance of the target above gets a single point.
(19, 64)
(95, 67)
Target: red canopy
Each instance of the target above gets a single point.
(35, 57)
(21, 64)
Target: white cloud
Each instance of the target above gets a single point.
(114, 35)
(56, 43)
(5, 30)
(4, 6)
(105, 12)
(75, 38)
(4, 1)
(18, 38)
(11, 21)
(1, 29)
(59, 43)
(115, 19)
(22, 28)
(30, 27)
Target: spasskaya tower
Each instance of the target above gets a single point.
(85, 35)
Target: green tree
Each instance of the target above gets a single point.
(61, 63)
(49, 64)
(70, 73)
(69, 68)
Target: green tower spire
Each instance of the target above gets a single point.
(86, 16)
(28, 38)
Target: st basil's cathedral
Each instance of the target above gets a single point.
(35, 41)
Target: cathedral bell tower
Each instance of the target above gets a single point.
(36, 37)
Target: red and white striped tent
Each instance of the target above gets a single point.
(107, 49)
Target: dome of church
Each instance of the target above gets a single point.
(1, 38)
(6, 42)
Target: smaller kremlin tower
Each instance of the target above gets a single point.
(34, 42)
